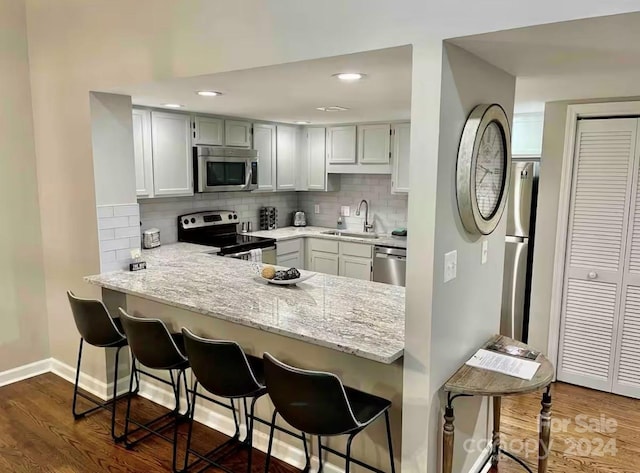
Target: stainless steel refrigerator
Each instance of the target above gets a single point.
(521, 217)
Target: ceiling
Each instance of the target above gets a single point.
(590, 58)
(291, 92)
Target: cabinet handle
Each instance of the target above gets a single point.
(592, 275)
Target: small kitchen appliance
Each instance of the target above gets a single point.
(299, 219)
(151, 238)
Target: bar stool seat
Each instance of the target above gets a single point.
(366, 407)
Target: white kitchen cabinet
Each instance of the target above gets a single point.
(400, 158)
(286, 157)
(290, 253)
(208, 131)
(172, 158)
(237, 133)
(316, 153)
(373, 144)
(341, 144)
(526, 139)
(356, 268)
(326, 263)
(293, 260)
(264, 141)
(142, 152)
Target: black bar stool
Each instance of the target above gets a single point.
(317, 403)
(97, 328)
(154, 347)
(222, 368)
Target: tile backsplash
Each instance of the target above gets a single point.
(119, 233)
(387, 211)
(163, 213)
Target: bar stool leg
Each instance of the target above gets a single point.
(177, 419)
(271, 431)
(125, 436)
(348, 457)
(77, 415)
(393, 463)
(115, 397)
(307, 466)
(320, 465)
(250, 433)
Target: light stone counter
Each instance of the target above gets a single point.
(289, 233)
(362, 318)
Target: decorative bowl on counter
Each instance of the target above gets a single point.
(283, 277)
(289, 282)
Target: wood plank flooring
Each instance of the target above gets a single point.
(38, 434)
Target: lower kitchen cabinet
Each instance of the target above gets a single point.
(354, 267)
(326, 263)
(290, 253)
(292, 260)
(340, 258)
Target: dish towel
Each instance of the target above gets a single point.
(256, 255)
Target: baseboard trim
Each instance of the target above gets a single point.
(483, 463)
(92, 385)
(25, 372)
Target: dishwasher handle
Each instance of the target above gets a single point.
(388, 256)
(391, 253)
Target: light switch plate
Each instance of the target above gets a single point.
(485, 251)
(345, 210)
(450, 265)
(316, 208)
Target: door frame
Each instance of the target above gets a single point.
(574, 112)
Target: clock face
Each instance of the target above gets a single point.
(490, 168)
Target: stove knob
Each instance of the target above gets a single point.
(236, 217)
(230, 216)
(186, 221)
(193, 220)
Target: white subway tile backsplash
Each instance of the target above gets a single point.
(107, 256)
(113, 222)
(119, 244)
(123, 255)
(127, 232)
(119, 233)
(125, 210)
(134, 220)
(104, 211)
(107, 234)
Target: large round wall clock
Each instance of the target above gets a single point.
(483, 169)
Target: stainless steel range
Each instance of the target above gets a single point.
(218, 228)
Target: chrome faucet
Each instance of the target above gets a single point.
(367, 225)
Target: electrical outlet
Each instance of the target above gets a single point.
(485, 251)
(316, 208)
(450, 265)
(345, 210)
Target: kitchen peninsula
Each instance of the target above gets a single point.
(350, 327)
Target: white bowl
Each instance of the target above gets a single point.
(290, 282)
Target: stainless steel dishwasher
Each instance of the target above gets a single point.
(390, 265)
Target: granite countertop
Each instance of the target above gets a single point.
(289, 233)
(362, 318)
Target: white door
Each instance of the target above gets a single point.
(142, 154)
(316, 152)
(286, 157)
(341, 144)
(356, 268)
(326, 263)
(602, 182)
(237, 133)
(264, 141)
(172, 157)
(373, 144)
(400, 158)
(208, 131)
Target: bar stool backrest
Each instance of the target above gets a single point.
(314, 402)
(151, 342)
(220, 366)
(93, 321)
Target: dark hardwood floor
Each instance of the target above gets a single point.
(38, 434)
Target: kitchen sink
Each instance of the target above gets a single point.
(367, 236)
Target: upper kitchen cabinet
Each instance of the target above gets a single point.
(316, 152)
(286, 157)
(237, 133)
(264, 141)
(142, 152)
(373, 144)
(208, 131)
(400, 158)
(341, 144)
(526, 139)
(172, 156)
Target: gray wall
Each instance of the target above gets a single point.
(23, 316)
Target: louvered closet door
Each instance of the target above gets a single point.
(626, 372)
(602, 187)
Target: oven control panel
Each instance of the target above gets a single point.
(207, 219)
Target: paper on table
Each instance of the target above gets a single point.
(505, 364)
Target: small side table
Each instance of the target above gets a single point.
(470, 381)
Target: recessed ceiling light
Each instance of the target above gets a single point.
(349, 76)
(172, 105)
(302, 122)
(332, 108)
(208, 93)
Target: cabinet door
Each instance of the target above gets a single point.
(356, 268)
(373, 144)
(264, 141)
(326, 263)
(208, 131)
(172, 160)
(316, 152)
(237, 133)
(401, 144)
(286, 154)
(142, 154)
(341, 144)
(292, 260)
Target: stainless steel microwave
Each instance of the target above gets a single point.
(225, 169)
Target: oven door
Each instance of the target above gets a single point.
(223, 174)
